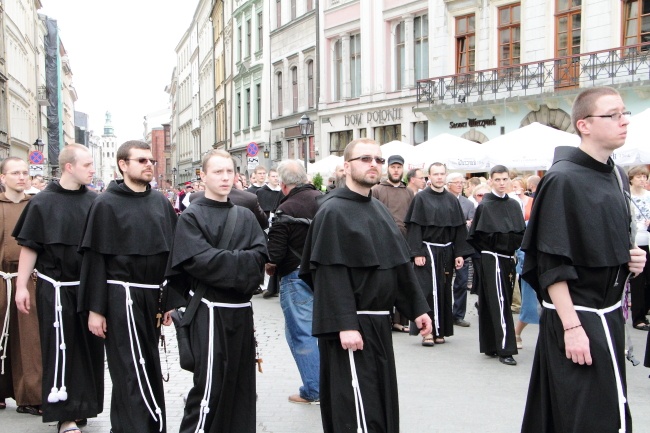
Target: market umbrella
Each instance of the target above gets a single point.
(530, 147)
(400, 148)
(636, 149)
(455, 152)
(325, 166)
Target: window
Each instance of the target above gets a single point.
(247, 116)
(258, 92)
(421, 39)
(291, 149)
(278, 13)
(238, 117)
(363, 133)
(279, 86)
(388, 133)
(249, 41)
(465, 44)
(294, 88)
(310, 84)
(636, 23)
(568, 19)
(509, 35)
(312, 148)
(355, 65)
(293, 10)
(338, 71)
(420, 132)
(260, 31)
(310, 5)
(400, 55)
(338, 141)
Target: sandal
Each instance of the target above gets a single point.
(3, 405)
(30, 409)
(440, 340)
(520, 344)
(400, 328)
(427, 340)
(642, 326)
(70, 429)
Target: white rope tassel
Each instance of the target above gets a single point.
(133, 335)
(499, 284)
(358, 401)
(205, 408)
(58, 394)
(4, 337)
(610, 345)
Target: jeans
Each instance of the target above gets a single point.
(460, 291)
(297, 301)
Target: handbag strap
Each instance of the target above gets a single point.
(228, 230)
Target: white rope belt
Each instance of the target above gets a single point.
(205, 408)
(4, 337)
(619, 383)
(58, 394)
(358, 401)
(499, 284)
(133, 334)
(435, 282)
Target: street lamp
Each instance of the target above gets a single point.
(39, 145)
(174, 171)
(306, 129)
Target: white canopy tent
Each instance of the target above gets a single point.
(636, 149)
(455, 152)
(528, 148)
(325, 166)
(400, 148)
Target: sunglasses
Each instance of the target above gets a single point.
(368, 159)
(480, 195)
(143, 161)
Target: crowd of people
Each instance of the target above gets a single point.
(87, 274)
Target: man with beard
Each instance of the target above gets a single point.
(496, 233)
(125, 245)
(49, 233)
(437, 234)
(578, 255)
(394, 194)
(359, 268)
(20, 365)
(220, 282)
(270, 194)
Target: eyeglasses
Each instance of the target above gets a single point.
(615, 117)
(18, 173)
(143, 161)
(456, 183)
(480, 195)
(368, 159)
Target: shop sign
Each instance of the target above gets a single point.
(473, 123)
(377, 116)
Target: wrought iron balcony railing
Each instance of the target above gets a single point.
(613, 66)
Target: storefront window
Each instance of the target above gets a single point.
(388, 133)
(338, 141)
(363, 133)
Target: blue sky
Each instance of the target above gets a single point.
(122, 56)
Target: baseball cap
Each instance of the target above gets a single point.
(395, 159)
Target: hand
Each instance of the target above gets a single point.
(270, 269)
(351, 340)
(637, 260)
(22, 300)
(459, 262)
(97, 324)
(576, 344)
(423, 323)
(167, 318)
(420, 261)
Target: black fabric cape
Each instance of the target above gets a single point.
(498, 226)
(51, 225)
(356, 259)
(268, 198)
(127, 238)
(579, 233)
(437, 217)
(230, 276)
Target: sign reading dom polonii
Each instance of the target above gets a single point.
(377, 116)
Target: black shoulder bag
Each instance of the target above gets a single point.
(182, 320)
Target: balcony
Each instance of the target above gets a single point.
(41, 96)
(599, 68)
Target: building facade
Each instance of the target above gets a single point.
(108, 145)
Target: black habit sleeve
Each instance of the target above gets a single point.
(335, 310)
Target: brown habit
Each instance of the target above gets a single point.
(23, 370)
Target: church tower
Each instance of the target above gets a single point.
(108, 143)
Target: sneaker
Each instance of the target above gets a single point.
(462, 322)
(268, 294)
(297, 399)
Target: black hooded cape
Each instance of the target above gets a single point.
(269, 199)
(579, 233)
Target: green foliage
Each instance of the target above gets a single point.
(317, 181)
